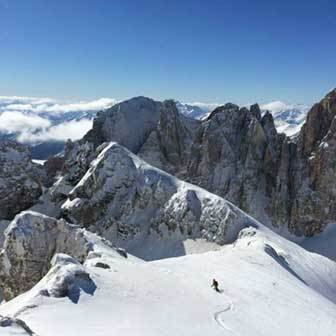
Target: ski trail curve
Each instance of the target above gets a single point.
(218, 317)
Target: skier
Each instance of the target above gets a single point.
(215, 285)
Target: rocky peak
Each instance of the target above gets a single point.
(168, 145)
(128, 123)
(255, 111)
(131, 203)
(271, 133)
(172, 133)
(314, 205)
(228, 107)
(267, 119)
(318, 122)
(235, 153)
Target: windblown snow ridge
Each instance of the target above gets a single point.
(135, 205)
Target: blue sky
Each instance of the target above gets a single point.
(210, 51)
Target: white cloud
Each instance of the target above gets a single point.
(208, 107)
(15, 121)
(94, 105)
(44, 119)
(47, 105)
(275, 106)
(73, 130)
(6, 100)
(279, 106)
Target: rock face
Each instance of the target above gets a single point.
(237, 154)
(169, 144)
(31, 241)
(234, 153)
(121, 123)
(314, 201)
(126, 200)
(156, 131)
(53, 166)
(20, 179)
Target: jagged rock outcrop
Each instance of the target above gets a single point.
(66, 278)
(128, 123)
(169, 144)
(314, 201)
(155, 131)
(20, 179)
(77, 159)
(53, 167)
(240, 156)
(31, 241)
(126, 200)
(235, 153)
(317, 125)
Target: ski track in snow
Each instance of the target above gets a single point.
(220, 321)
(24, 309)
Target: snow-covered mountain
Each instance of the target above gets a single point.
(288, 118)
(132, 225)
(46, 123)
(194, 111)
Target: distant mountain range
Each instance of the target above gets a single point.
(288, 118)
(46, 124)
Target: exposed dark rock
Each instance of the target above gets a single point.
(255, 111)
(20, 179)
(102, 265)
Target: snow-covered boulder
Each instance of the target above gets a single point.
(31, 240)
(66, 278)
(20, 179)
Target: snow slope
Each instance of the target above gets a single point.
(269, 285)
(148, 211)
